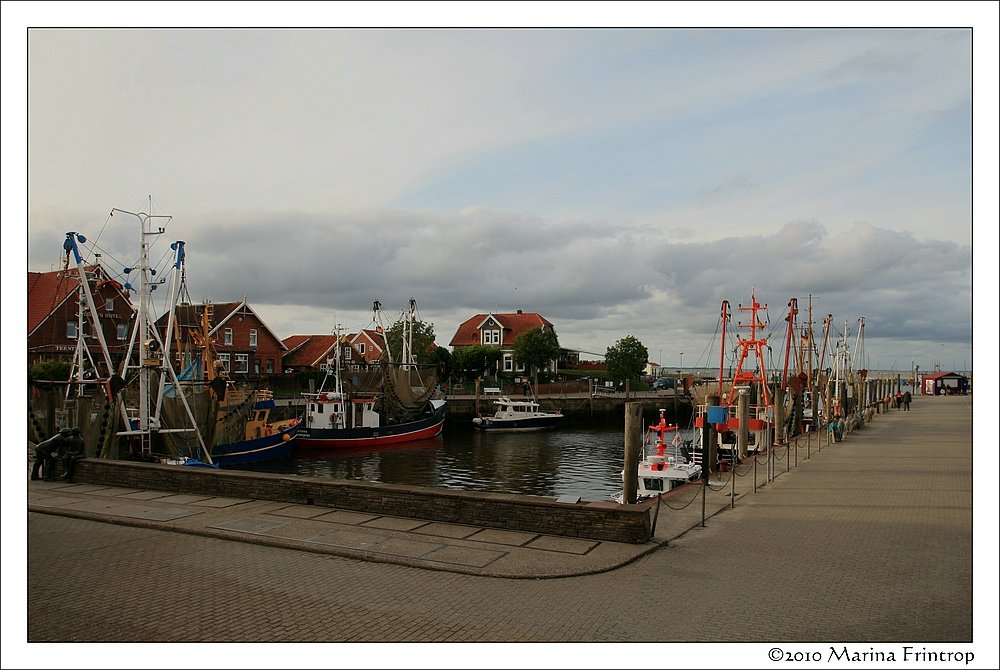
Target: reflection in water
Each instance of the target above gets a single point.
(581, 461)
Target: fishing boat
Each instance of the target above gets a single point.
(244, 430)
(391, 403)
(517, 415)
(262, 439)
(155, 412)
(743, 419)
(199, 417)
(667, 466)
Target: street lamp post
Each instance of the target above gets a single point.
(682, 360)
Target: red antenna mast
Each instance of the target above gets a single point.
(755, 344)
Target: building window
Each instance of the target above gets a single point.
(242, 363)
(347, 353)
(253, 337)
(256, 366)
(122, 331)
(224, 359)
(508, 362)
(324, 367)
(491, 336)
(361, 348)
(270, 366)
(227, 337)
(109, 305)
(71, 330)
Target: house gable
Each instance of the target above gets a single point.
(313, 352)
(374, 344)
(511, 326)
(241, 339)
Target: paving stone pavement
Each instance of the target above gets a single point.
(865, 545)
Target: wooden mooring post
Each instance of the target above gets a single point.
(633, 446)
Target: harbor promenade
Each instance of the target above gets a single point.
(865, 544)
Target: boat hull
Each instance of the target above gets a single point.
(493, 425)
(265, 448)
(348, 438)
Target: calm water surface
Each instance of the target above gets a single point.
(581, 460)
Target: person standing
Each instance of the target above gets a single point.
(907, 398)
(835, 429)
(46, 453)
(76, 450)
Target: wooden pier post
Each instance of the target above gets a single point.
(779, 416)
(633, 445)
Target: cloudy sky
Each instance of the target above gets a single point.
(617, 181)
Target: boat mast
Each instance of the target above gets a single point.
(793, 309)
(153, 356)
(377, 318)
(755, 344)
(407, 358)
(338, 385)
(809, 347)
(722, 352)
(70, 246)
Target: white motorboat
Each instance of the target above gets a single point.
(517, 415)
(667, 466)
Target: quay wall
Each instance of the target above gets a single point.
(598, 521)
(463, 408)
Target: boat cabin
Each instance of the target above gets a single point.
(333, 410)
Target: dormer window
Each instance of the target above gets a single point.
(490, 336)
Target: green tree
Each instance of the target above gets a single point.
(626, 359)
(476, 360)
(424, 347)
(50, 370)
(535, 349)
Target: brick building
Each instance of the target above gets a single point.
(243, 343)
(59, 322)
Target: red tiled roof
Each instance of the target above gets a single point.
(310, 350)
(938, 375)
(294, 342)
(513, 326)
(48, 290)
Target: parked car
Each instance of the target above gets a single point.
(664, 383)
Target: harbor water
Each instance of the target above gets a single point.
(582, 459)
